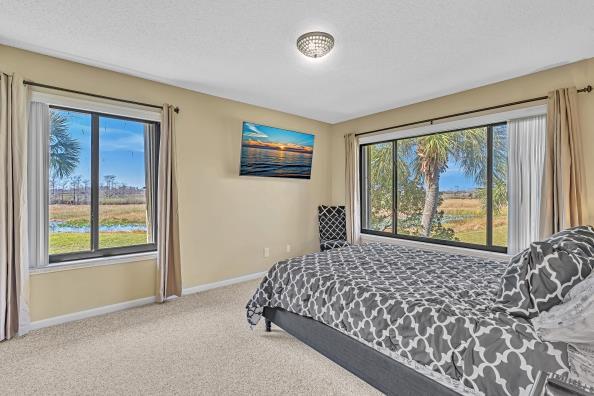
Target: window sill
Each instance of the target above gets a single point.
(433, 246)
(94, 262)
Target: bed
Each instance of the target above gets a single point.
(406, 320)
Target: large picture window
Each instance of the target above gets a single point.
(102, 184)
(448, 187)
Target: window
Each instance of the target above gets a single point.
(447, 187)
(102, 184)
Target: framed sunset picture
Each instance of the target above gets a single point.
(274, 152)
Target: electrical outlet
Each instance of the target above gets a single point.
(288, 248)
(266, 252)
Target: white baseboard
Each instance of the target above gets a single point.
(223, 283)
(88, 313)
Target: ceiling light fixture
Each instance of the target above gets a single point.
(315, 44)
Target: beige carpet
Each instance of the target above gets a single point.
(198, 344)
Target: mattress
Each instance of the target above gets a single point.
(432, 310)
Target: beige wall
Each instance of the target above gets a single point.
(62, 292)
(538, 84)
(226, 220)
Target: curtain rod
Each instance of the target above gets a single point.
(587, 89)
(34, 84)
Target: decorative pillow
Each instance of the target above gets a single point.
(553, 272)
(579, 240)
(573, 320)
(581, 362)
(538, 278)
(513, 295)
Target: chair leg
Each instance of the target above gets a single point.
(268, 325)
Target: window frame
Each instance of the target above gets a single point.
(95, 251)
(488, 246)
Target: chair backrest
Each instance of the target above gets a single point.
(332, 221)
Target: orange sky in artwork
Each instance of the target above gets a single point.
(278, 146)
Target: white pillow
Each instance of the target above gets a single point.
(581, 362)
(573, 320)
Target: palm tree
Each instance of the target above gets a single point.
(64, 149)
(433, 152)
(421, 161)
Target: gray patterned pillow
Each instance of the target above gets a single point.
(553, 272)
(539, 277)
(513, 295)
(579, 240)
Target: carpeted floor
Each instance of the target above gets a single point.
(198, 344)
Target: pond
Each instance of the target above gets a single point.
(456, 218)
(60, 226)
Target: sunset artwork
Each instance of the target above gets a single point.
(274, 152)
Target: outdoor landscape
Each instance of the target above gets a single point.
(441, 186)
(122, 190)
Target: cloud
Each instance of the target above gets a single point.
(255, 132)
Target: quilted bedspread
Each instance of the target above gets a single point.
(433, 309)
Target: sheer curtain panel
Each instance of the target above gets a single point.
(150, 157)
(352, 202)
(37, 172)
(525, 166)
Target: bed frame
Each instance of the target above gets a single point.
(380, 371)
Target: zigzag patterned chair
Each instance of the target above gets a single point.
(332, 221)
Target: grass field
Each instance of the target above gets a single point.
(68, 242)
(471, 226)
(468, 220)
(78, 216)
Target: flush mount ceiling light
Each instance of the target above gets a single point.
(315, 44)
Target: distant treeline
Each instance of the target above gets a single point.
(459, 194)
(76, 191)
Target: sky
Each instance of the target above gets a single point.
(121, 148)
(454, 179)
(266, 134)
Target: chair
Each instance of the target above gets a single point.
(332, 221)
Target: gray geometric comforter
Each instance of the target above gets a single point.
(432, 308)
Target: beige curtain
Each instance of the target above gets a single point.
(168, 256)
(562, 187)
(352, 203)
(13, 205)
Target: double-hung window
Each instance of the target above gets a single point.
(101, 182)
(446, 187)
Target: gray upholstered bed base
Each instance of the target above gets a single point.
(378, 370)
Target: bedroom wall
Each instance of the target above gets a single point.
(225, 220)
(577, 74)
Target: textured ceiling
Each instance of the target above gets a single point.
(387, 53)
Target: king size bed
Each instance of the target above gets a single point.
(408, 321)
